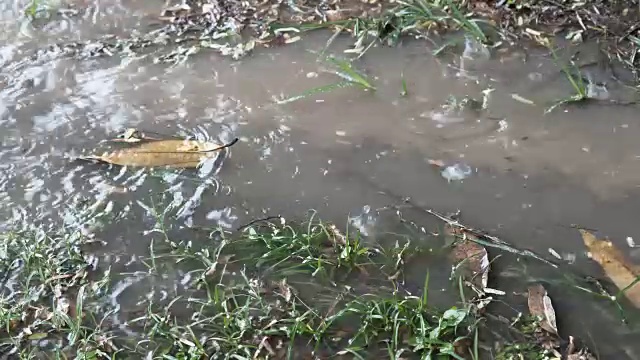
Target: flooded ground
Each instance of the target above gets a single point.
(344, 153)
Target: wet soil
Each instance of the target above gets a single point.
(344, 153)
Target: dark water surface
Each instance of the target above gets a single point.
(344, 153)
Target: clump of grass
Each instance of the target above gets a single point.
(413, 17)
(252, 293)
(526, 341)
(341, 68)
(408, 17)
(240, 318)
(403, 325)
(312, 247)
(255, 311)
(573, 75)
(47, 278)
(37, 9)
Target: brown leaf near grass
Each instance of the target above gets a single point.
(540, 306)
(471, 259)
(617, 268)
(167, 153)
(462, 347)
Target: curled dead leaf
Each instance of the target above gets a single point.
(169, 153)
(540, 306)
(617, 268)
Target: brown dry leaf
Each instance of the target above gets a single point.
(170, 153)
(471, 257)
(614, 264)
(462, 347)
(540, 306)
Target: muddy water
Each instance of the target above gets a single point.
(344, 153)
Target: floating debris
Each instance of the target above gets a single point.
(133, 135)
(521, 99)
(168, 153)
(555, 254)
(624, 275)
(456, 172)
(631, 242)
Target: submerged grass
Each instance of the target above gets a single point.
(573, 76)
(341, 68)
(271, 289)
(247, 298)
(47, 280)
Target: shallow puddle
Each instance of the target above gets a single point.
(345, 153)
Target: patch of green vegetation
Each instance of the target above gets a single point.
(48, 277)
(271, 289)
(38, 9)
(521, 352)
(341, 68)
(573, 75)
(247, 307)
(247, 298)
(525, 346)
(404, 325)
(408, 17)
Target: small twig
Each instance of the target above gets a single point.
(504, 245)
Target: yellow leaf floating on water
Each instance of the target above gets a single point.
(614, 264)
(168, 153)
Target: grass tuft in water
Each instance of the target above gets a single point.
(47, 281)
(271, 289)
(573, 75)
(341, 68)
(250, 297)
(313, 247)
